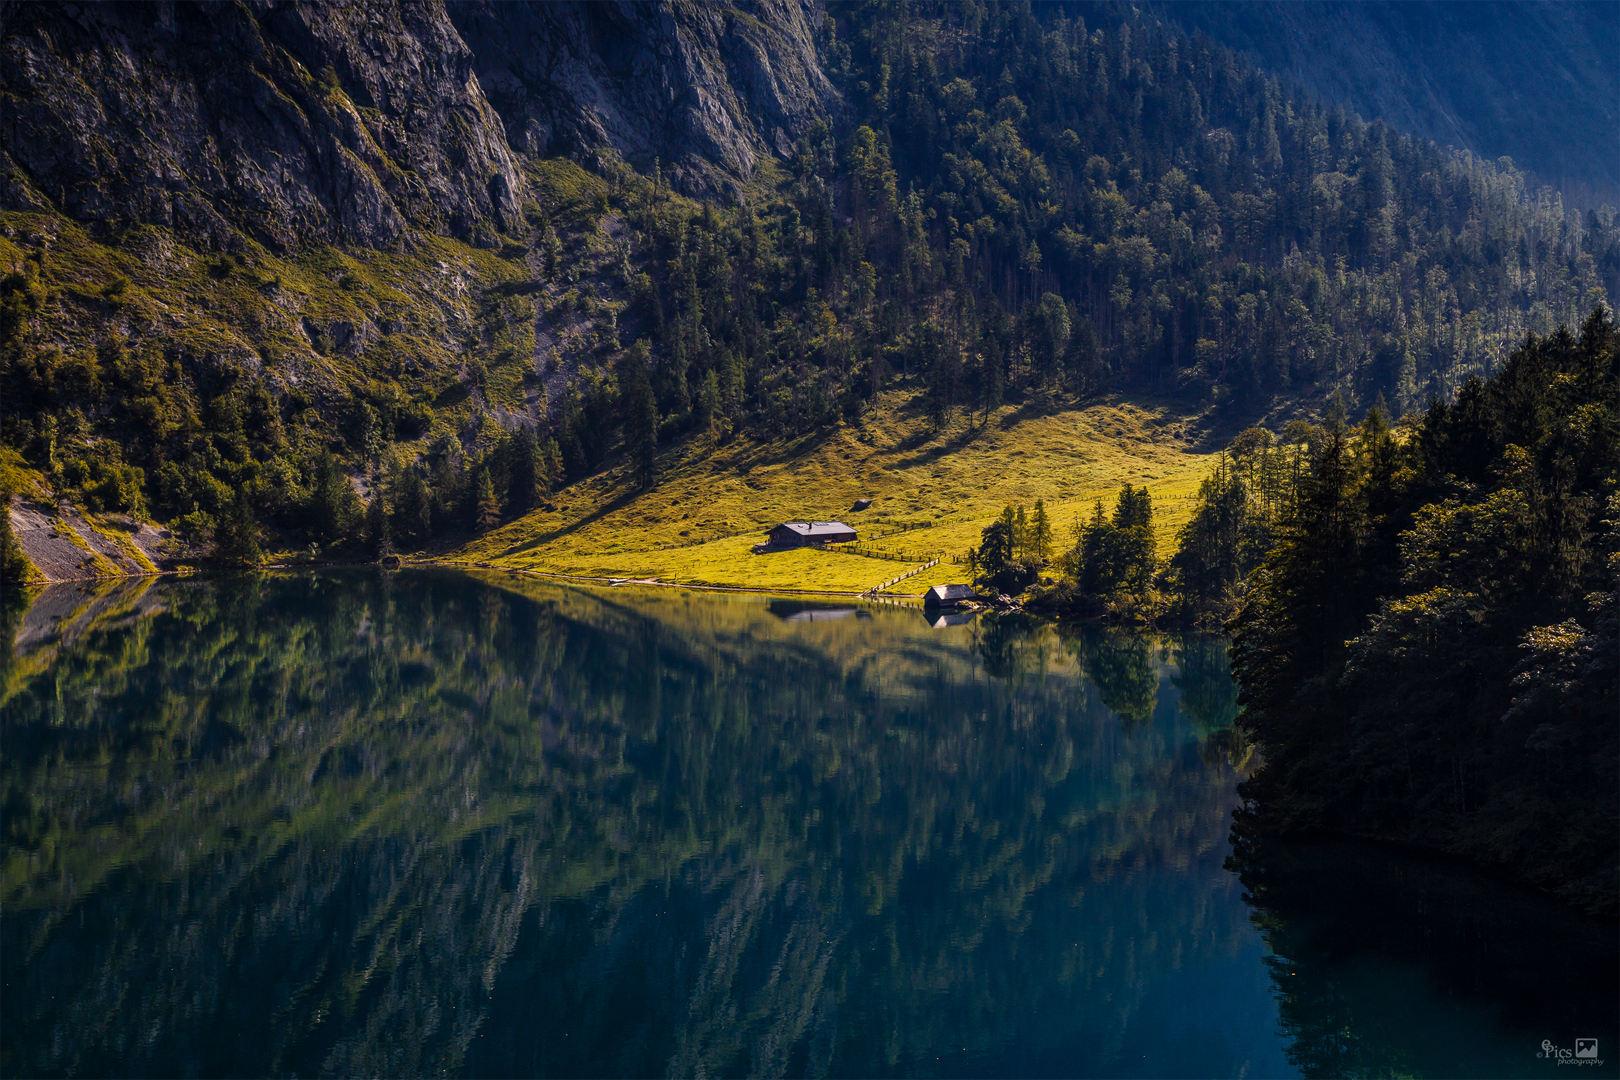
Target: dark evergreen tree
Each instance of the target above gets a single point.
(522, 471)
(486, 507)
(236, 535)
(640, 413)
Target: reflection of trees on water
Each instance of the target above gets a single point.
(1204, 680)
(1208, 697)
(396, 824)
(1395, 966)
(1010, 646)
(1124, 667)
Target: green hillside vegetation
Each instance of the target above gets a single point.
(146, 377)
(1023, 211)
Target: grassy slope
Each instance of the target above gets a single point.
(711, 505)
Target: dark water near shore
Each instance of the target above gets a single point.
(426, 822)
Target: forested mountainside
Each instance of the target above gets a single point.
(1535, 81)
(281, 264)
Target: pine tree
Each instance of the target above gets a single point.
(640, 415)
(486, 507)
(236, 536)
(1040, 537)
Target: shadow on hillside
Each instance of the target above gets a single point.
(1207, 431)
(926, 455)
(627, 494)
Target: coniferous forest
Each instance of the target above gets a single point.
(1186, 640)
(1424, 614)
(1429, 650)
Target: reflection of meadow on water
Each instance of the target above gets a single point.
(400, 823)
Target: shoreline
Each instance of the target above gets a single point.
(190, 571)
(654, 582)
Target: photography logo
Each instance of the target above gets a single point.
(1584, 1053)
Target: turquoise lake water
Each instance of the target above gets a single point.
(430, 822)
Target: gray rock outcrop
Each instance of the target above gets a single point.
(347, 123)
(704, 89)
(291, 122)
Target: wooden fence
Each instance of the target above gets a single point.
(902, 577)
(861, 549)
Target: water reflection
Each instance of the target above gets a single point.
(809, 611)
(1386, 964)
(425, 822)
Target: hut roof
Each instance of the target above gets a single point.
(811, 530)
(949, 594)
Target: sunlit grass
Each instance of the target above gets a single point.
(697, 525)
(728, 562)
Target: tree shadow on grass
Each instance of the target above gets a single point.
(954, 440)
(626, 495)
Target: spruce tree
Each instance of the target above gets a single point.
(993, 387)
(522, 472)
(486, 507)
(640, 415)
(379, 533)
(413, 507)
(708, 403)
(551, 465)
(236, 536)
(1041, 534)
(334, 508)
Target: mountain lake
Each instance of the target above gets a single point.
(358, 822)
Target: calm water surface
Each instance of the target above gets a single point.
(426, 822)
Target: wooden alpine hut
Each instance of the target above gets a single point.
(948, 595)
(810, 534)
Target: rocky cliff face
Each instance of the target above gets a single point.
(702, 89)
(292, 122)
(346, 123)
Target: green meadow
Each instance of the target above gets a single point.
(932, 493)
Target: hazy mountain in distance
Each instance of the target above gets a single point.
(1538, 81)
